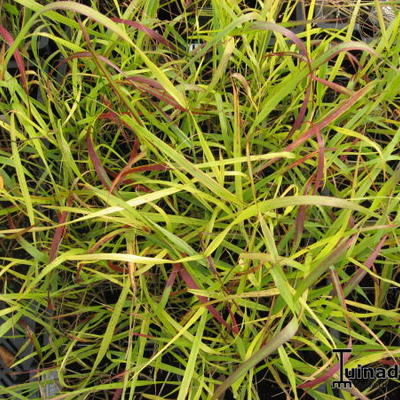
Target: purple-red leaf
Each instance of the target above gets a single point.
(117, 394)
(17, 56)
(303, 109)
(172, 277)
(58, 236)
(147, 81)
(270, 26)
(191, 284)
(389, 362)
(346, 47)
(321, 162)
(145, 85)
(332, 116)
(101, 173)
(335, 86)
(307, 157)
(148, 31)
(301, 217)
(332, 371)
(286, 54)
(359, 275)
(87, 54)
(151, 89)
(142, 168)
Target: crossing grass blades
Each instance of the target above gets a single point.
(197, 203)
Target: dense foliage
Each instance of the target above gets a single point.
(197, 202)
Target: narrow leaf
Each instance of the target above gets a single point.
(278, 340)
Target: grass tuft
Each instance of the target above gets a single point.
(198, 202)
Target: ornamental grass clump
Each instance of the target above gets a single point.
(197, 203)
